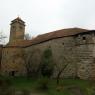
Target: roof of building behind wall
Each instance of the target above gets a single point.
(49, 36)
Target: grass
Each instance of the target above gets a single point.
(21, 83)
(66, 83)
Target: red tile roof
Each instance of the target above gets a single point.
(49, 36)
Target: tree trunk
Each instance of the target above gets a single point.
(60, 72)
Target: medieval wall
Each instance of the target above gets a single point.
(12, 62)
(61, 48)
(77, 51)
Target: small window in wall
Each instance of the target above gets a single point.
(12, 73)
(84, 38)
(62, 43)
(21, 27)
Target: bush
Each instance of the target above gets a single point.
(5, 87)
(47, 66)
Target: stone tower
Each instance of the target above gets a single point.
(17, 30)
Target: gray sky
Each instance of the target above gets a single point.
(43, 16)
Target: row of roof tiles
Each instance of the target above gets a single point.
(49, 36)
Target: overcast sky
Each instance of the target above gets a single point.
(43, 16)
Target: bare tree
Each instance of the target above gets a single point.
(27, 37)
(69, 58)
(2, 41)
(2, 38)
(31, 62)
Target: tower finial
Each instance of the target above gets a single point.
(18, 16)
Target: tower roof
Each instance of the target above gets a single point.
(18, 19)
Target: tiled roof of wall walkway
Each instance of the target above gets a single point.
(49, 36)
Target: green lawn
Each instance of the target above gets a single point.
(20, 83)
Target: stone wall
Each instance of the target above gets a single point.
(77, 51)
(62, 49)
(84, 49)
(12, 61)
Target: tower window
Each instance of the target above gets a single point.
(20, 27)
(13, 27)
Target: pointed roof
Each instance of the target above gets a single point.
(18, 19)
